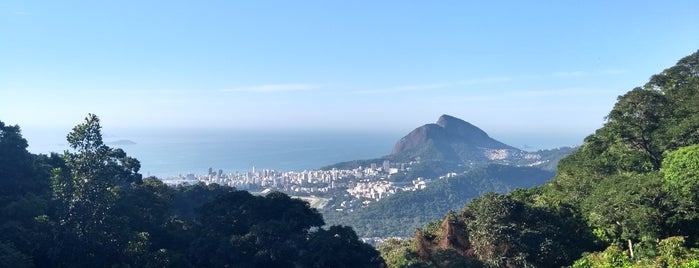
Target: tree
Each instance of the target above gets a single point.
(15, 163)
(612, 257)
(398, 253)
(629, 209)
(636, 120)
(11, 257)
(253, 231)
(681, 173)
(24, 195)
(672, 252)
(681, 180)
(339, 247)
(86, 190)
(680, 84)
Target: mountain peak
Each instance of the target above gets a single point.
(450, 137)
(460, 128)
(446, 119)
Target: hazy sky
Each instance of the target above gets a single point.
(506, 66)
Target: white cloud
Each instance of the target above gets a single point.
(614, 71)
(449, 84)
(570, 74)
(564, 92)
(273, 88)
(497, 79)
(574, 74)
(420, 87)
(539, 94)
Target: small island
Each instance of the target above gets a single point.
(121, 143)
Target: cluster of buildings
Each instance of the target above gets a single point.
(377, 189)
(362, 184)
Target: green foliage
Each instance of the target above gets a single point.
(491, 225)
(24, 195)
(612, 257)
(507, 232)
(681, 173)
(19, 170)
(661, 116)
(188, 198)
(353, 164)
(449, 258)
(90, 208)
(636, 121)
(679, 84)
(11, 257)
(273, 231)
(672, 252)
(628, 207)
(433, 230)
(429, 169)
(398, 253)
(86, 191)
(496, 230)
(634, 180)
(339, 247)
(400, 214)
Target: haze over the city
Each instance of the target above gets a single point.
(506, 66)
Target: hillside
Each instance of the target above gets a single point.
(628, 197)
(457, 160)
(400, 214)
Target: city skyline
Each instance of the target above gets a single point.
(507, 67)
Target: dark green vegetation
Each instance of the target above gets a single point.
(396, 214)
(629, 197)
(91, 208)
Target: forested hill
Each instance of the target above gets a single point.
(89, 207)
(399, 214)
(629, 197)
(458, 161)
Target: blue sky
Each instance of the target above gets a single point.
(539, 67)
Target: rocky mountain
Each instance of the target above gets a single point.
(455, 141)
(450, 137)
(452, 145)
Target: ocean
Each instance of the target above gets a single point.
(172, 152)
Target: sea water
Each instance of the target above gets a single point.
(170, 152)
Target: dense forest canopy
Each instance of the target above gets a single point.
(628, 197)
(89, 207)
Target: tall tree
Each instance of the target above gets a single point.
(636, 120)
(23, 196)
(86, 191)
(680, 84)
